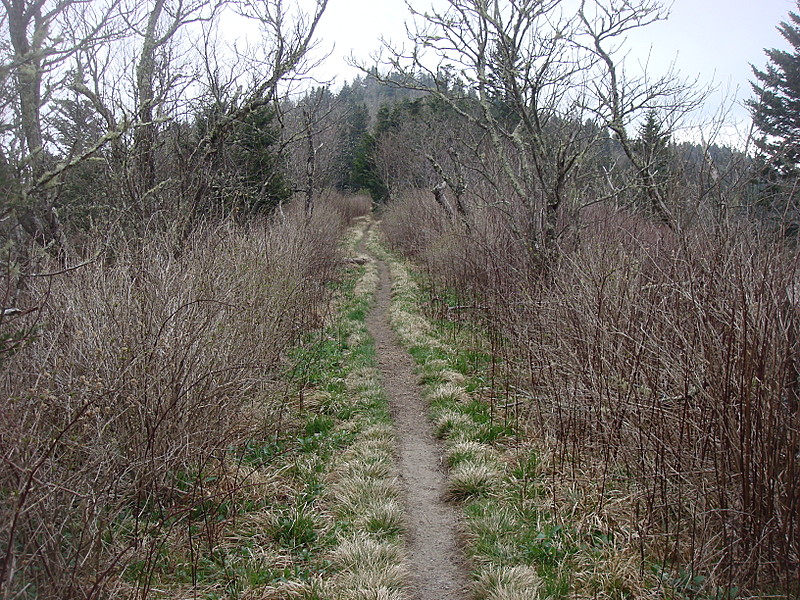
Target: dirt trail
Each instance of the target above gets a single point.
(435, 558)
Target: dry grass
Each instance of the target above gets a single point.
(468, 451)
(508, 583)
(447, 392)
(367, 568)
(411, 328)
(453, 424)
(473, 478)
(368, 282)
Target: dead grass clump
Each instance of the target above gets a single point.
(367, 568)
(448, 392)
(451, 423)
(470, 479)
(468, 451)
(508, 583)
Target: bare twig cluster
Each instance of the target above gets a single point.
(141, 372)
(662, 362)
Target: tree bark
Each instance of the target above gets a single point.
(37, 215)
(145, 137)
(311, 164)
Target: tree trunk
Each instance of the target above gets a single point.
(311, 163)
(441, 199)
(145, 138)
(37, 214)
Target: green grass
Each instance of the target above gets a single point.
(295, 529)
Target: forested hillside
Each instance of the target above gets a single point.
(601, 305)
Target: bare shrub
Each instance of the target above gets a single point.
(146, 367)
(672, 357)
(349, 206)
(403, 220)
(663, 362)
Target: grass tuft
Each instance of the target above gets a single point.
(508, 583)
(473, 479)
(452, 423)
(385, 517)
(448, 392)
(468, 451)
(367, 568)
(366, 550)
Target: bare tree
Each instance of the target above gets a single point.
(534, 75)
(257, 77)
(616, 100)
(133, 73)
(42, 35)
(313, 141)
(424, 149)
(162, 23)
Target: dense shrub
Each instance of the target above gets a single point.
(665, 363)
(144, 368)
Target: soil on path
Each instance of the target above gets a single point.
(435, 558)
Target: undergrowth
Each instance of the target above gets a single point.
(532, 531)
(192, 421)
(328, 523)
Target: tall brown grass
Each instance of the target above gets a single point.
(144, 368)
(668, 362)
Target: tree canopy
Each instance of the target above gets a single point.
(776, 106)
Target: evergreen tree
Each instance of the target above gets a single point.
(244, 171)
(653, 147)
(356, 127)
(262, 186)
(776, 107)
(365, 173)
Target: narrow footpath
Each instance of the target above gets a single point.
(434, 555)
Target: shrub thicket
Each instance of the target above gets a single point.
(136, 375)
(664, 364)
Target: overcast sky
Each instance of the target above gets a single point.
(714, 40)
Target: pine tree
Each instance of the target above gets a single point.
(252, 150)
(653, 147)
(776, 107)
(365, 173)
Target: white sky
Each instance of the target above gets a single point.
(713, 40)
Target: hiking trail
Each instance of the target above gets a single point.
(435, 557)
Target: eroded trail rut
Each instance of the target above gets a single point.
(435, 559)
